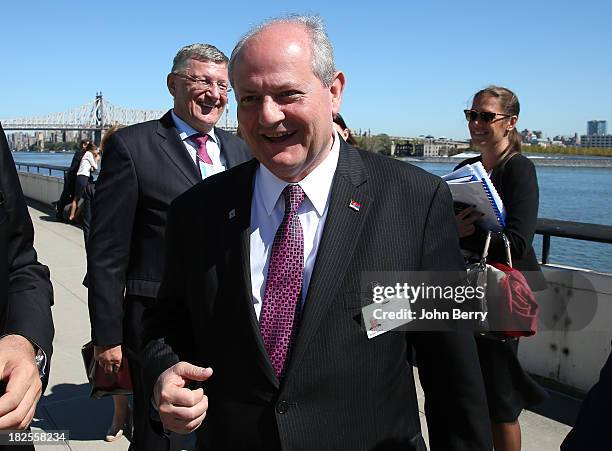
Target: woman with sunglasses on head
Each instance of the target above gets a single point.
(492, 124)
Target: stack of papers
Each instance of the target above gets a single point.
(470, 184)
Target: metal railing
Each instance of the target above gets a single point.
(597, 233)
(47, 169)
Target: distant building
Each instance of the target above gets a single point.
(21, 141)
(526, 136)
(597, 128)
(566, 140)
(531, 137)
(407, 149)
(596, 141)
(431, 147)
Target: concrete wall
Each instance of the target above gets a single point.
(42, 188)
(575, 328)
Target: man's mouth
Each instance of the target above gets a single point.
(277, 137)
(206, 106)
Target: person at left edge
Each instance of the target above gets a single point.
(26, 296)
(146, 166)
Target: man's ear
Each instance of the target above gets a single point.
(335, 90)
(170, 80)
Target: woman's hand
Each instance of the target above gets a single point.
(465, 221)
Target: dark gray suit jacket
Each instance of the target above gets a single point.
(341, 390)
(145, 167)
(26, 294)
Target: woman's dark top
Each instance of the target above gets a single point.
(516, 183)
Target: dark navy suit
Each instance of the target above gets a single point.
(146, 166)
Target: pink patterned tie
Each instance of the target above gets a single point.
(200, 140)
(280, 311)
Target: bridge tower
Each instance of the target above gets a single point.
(99, 116)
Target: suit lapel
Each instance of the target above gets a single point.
(348, 209)
(174, 148)
(241, 261)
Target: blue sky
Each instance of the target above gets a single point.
(411, 67)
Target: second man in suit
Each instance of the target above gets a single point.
(146, 166)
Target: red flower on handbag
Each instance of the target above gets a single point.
(519, 308)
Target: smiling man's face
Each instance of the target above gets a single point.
(285, 112)
(200, 108)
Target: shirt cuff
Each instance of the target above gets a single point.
(41, 357)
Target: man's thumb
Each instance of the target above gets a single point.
(192, 372)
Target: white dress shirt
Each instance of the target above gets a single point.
(268, 209)
(213, 146)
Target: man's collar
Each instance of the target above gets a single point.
(185, 130)
(316, 185)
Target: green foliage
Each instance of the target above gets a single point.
(72, 145)
(377, 143)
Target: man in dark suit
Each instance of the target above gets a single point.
(269, 295)
(26, 296)
(592, 428)
(146, 166)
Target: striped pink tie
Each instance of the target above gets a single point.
(280, 309)
(200, 141)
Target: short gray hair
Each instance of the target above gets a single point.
(200, 52)
(323, 65)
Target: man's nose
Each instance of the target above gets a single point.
(270, 113)
(213, 92)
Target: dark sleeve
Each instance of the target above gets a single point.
(165, 325)
(30, 294)
(109, 242)
(520, 194)
(449, 370)
(76, 161)
(235, 149)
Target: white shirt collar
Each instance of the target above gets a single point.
(185, 130)
(316, 185)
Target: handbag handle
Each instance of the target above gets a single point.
(485, 251)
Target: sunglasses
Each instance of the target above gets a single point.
(483, 116)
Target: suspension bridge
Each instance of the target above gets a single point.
(96, 117)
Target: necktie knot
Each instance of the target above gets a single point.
(294, 196)
(200, 140)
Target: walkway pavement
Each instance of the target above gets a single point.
(66, 404)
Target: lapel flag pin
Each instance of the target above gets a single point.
(232, 213)
(354, 205)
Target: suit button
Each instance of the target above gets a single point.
(282, 407)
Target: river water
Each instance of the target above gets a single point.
(567, 193)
